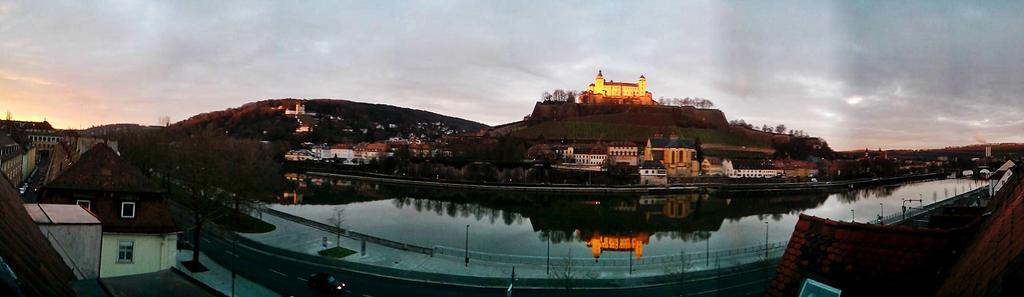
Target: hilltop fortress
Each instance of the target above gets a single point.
(612, 92)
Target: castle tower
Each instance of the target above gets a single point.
(642, 85)
(599, 83)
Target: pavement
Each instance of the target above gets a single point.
(219, 278)
(164, 283)
(286, 276)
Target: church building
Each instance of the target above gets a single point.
(612, 92)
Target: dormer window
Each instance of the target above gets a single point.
(128, 210)
(84, 203)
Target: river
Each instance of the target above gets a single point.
(604, 226)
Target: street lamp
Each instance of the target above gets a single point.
(548, 237)
(853, 216)
(766, 240)
(467, 245)
(881, 213)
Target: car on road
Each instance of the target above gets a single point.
(328, 284)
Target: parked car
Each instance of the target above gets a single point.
(327, 283)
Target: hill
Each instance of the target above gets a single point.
(109, 129)
(999, 151)
(620, 122)
(328, 121)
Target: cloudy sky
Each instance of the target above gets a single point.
(860, 74)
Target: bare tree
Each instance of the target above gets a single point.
(337, 220)
(164, 121)
(780, 129)
(564, 275)
(220, 175)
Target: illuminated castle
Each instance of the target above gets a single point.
(611, 92)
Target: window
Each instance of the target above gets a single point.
(84, 204)
(811, 287)
(125, 251)
(128, 210)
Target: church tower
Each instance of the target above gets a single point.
(642, 85)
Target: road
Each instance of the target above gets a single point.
(287, 276)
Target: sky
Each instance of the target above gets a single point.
(860, 74)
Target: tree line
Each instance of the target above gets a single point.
(694, 102)
(559, 96)
(778, 129)
(208, 173)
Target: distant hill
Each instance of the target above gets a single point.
(620, 122)
(109, 129)
(999, 151)
(329, 121)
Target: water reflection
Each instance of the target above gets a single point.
(608, 225)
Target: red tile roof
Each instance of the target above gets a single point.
(866, 260)
(101, 169)
(993, 264)
(105, 179)
(26, 251)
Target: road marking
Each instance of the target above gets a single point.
(302, 279)
(365, 295)
(230, 253)
(278, 272)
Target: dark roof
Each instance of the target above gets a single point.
(651, 164)
(594, 149)
(166, 282)
(865, 259)
(754, 164)
(25, 125)
(101, 169)
(993, 264)
(670, 142)
(6, 140)
(23, 248)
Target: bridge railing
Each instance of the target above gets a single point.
(733, 256)
(351, 234)
(914, 212)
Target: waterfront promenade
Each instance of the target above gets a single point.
(447, 265)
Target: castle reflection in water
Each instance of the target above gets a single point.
(605, 223)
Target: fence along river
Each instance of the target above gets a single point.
(599, 230)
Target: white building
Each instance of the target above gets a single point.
(751, 169)
(653, 173)
(591, 156)
(300, 155)
(343, 151)
(625, 153)
(74, 233)
(998, 179)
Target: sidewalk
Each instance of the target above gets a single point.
(219, 278)
(300, 238)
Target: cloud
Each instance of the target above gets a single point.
(860, 74)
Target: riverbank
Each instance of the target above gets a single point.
(745, 267)
(738, 188)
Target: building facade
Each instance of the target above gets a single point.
(623, 153)
(751, 168)
(12, 157)
(139, 235)
(653, 173)
(675, 153)
(74, 232)
(612, 92)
